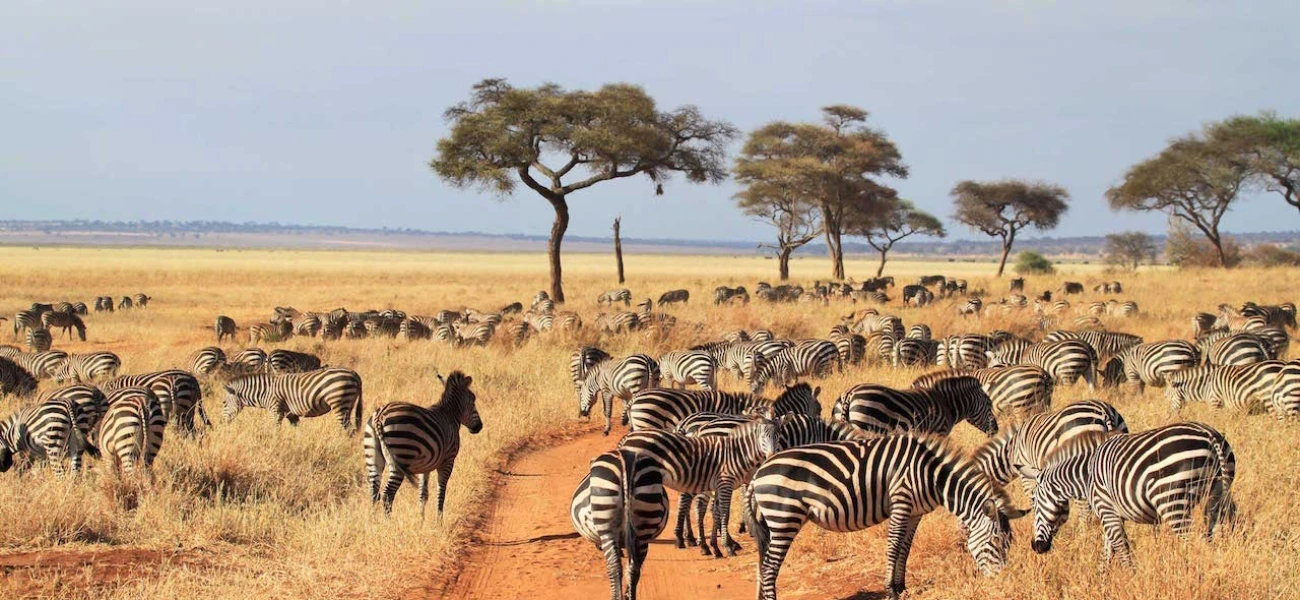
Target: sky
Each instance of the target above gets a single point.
(327, 112)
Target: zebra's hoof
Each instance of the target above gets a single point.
(681, 544)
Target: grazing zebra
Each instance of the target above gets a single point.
(288, 361)
(880, 409)
(1015, 391)
(1096, 309)
(26, 320)
(663, 408)
(250, 360)
(621, 506)
(90, 401)
(1128, 308)
(269, 332)
(568, 321)
(1106, 343)
(15, 380)
(513, 308)
(225, 327)
(617, 378)
(90, 366)
(618, 322)
(543, 306)
(307, 324)
(131, 431)
(39, 340)
(1284, 400)
(297, 395)
(141, 300)
(762, 335)
(1066, 361)
(1245, 388)
(1235, 349)
(1152, 477)
(972, 306)
(413, 329)
(177, 391)
(740, 358)
(45, 431)
(1028, 445)
(581, 361)
(1274, 315)
(126, 303)
(917, 295)
(911, 352)
(623, 295)
(540, 321)
(690, 366)
(852, 347)
(474, 334)
(1071, 287)
(80, 308)
(735, 335)
(808, 358)
(964, 351)
(101, 306)
(673, 297)
(852, 485)
(920, 331)
(519, 332)
(411, 441)
(700, 465)
(1148, 364)
(724, 294)
(1017, 285)
(41, 365)
(67, 321)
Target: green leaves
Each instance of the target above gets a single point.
(1001, 208)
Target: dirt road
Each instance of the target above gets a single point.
(528, 548)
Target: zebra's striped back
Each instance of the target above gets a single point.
(39, 339)
(1246, 388)
(288, 361)
(15, 380)
(44, 431)
(1023, 449)
(1236, 349)
(911, 352)
(1066, 361)
(1284, 399)
(90, 401)
(131, 432)
(621, 506)
(297, 395)
(1148, 364)
(808, 358)
(664, 408)
(690, 366)
(90, 366)
(582, 360)
(964, 351)
(1016, 391)
(177, 392)
(617, 378)
(880, 409)
(41, 365)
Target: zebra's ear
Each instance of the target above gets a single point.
(468, 380)
(817, 391)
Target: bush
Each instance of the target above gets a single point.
(1186, 248)
(1268, 255)
(1033, 263)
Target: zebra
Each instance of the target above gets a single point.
(474, 334)
(618, 322)
(697, 465)
(225, 327)
(1246, 388)
(26, 320)
(973, 306)
(852, 347)
(89, 366)
(1284, 400)
(808, 358)
(1017, 285)
(735, 336)
(581, 361)
(920, 331)
(297, 395)
(617, 378)
(80, 308)
(39, 339)
(724, 294)
(935, 410)
(410, 441)
(101, 306)
(1015, 391)
(852, 485)
(623, 295)
(1096, 309)
(621, 506)
(1283, 315)
(928, 280)
(126, 303)
(1106, 344)
(674, 296)
(1148, 364)
(15, 380)
(1203, 323)
(762, 335)
(249, 360)
(413, 329)
(177, 391)
(281, 362)
(1128, 308)
(132, 430)
(910, 352)
(1071, 287)
(568, 321)
(269, 332)
(918, 295)
(663, 408)
(44, 431)
(540, 321)
(141, 300)
(513, 308)
(543, 306)
(519, 332)
(307, 324)
(90, 401)
(968, 350)
(1235, 349)
(1152, 477)
(1028, 445)
(1066, 361)
(690, 366)
(41, 365)
(67, 321)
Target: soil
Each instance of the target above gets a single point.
(40, 573)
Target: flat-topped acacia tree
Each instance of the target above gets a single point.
(558, 141)
(1002, 208)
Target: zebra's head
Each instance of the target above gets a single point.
(456, 389)
(1051, 510)
(231, 404)
(587, 396)
(989, 534)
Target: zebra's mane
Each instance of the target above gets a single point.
(453, 385)
(1084, 443)
(960, 464)
(996, 443)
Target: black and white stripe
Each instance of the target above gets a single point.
(1148, 364)
(1024, 448)
(131, 432)
(66, 321)
(15, 380)
(88, 366)
(177, 392)
(45, 431)
(1244, 388)
(663, 408)
(288, 361)
(39, 340)
(298, 395)
(581, 361)
(964, 351)
(880, 409)
(808, 358)
(1235, 349)
(683, 367)
(621, 506)
(1016, 391)
(617, 378)
(623, 295)
(1066, 361)
(41, 365)
(910, 352)
(90, 401)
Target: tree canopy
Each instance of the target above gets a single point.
(1128, 249)
(1270, 145)
(558, 141)
(1002, 209)
(889, 220)
(773, 166)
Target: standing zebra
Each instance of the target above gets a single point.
(680, 368)
(89, 366)
(45, 431)
(249, 360)
(852, 485)
(964, 351)
(1028, 445)
(39, 339)
(131, 432)
(41, 365)
(1148, 364)
(663, 408)
(972, 306)
(26, 320)
(699, 465)
(1245, 388)
(298, 395)
(1105, 343)
(1153, 477)
(909, 352)
(621, 507)
(411, 441)
(623, 295)
(90, 401)
(1235, 349)
(1284, 400)
(581, 362)
(617, 378)
(67, 321)
(935, 410)
(177, 392)
(288, 361)
(673, 297)
(1066, 361)
(808, 358)
(206, 361)
(1015, 391)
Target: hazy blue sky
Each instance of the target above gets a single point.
(327, 112)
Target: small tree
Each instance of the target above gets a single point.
(504, 135)
(1185, 249)
(1033, 263)
(888, 221)
(1193, 180)
(1128, 250)
(773, 166)
(1002, 209)
(1270, 146)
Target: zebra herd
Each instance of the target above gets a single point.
(883, 456)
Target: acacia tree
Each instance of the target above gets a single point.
(1002, 209)
(1128, 249)
(773, 166)
(557, 142)
(1193, 180)
(1269, 145)
(889, 221)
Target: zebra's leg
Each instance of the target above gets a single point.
(393, 484)
(444, 475)
(422, 480)
(613, 563)
(684, 522)
(705, 548)
(635, 556)
(627, 407)
(722, 508)
(902, 528)
(1219, 507)
(744, 493)
(1116, 539)
(607, 403)
(780, 535)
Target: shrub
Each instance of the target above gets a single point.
(1187, 249)
(1268, 255)
(1033, 263)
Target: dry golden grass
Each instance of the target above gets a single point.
(285, 513)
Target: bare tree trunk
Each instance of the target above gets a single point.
(881, 269)
(831, 226)
(553, 247)
(783, 258)
(1218, 251)
(618, 249)
(1002, 264)
(838, 271)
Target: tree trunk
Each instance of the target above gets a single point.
(553, 247)
(881, 269)
(1002, 264)
(837, 271)
(831, 225)
(1218, 251)
(783, 258)
(618, 249)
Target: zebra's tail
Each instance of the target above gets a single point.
(630, 543)
(356, 415)
(755, 523)
(1220, 506)
(378, 425)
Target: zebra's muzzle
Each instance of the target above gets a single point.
(1042, 546)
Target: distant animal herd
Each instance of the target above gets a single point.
(881, 457)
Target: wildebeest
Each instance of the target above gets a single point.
(674, 296)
